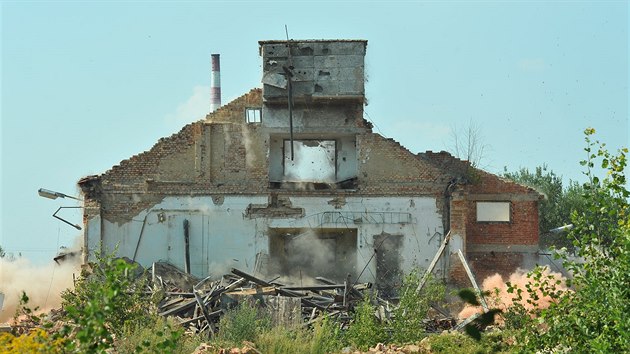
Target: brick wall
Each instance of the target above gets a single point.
(223, 155)
(522, 230)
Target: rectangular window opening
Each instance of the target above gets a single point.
(313, 161)
(303, 254)
(253, 115)
(493, 212)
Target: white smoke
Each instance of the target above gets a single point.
(195, 108)
(43, 284)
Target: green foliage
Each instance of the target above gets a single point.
(102, 305)
(455, 342)
(36, 341)
(279, 340)
(407, 326)
(2, 252)
(243, 323)
(161, 336)
(593, 317)
(558, 205)
(24, 310)
(365, 330)
(327, 337)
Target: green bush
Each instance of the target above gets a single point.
(455, 342)
(593, 317)
(407, 325)
(242, 323)
(279, 340)
(365, 330)
(161, 336)
(327, 337)
(102, 304)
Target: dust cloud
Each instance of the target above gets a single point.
(300, 258)
(500, 298)
(43, 284)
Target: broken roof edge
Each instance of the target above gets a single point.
(224, 109)
(212, 117)
(444, 159)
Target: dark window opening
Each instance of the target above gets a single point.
(388, 264)
(304, 254)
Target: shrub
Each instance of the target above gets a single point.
(593, 317)
(327, 336)
(365, 330)
(279, 340)
(36, 341)
(242, 323)
(162, 336)
(455, 342)
(102, 304)
(407, 323)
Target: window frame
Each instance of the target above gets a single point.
(492, 221)
(257, 113)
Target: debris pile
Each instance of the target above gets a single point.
(200, 307)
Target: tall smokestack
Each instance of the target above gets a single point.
(215, 86)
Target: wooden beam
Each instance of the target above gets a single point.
(472, 280)
(425, 277)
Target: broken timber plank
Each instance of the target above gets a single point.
(425, 277)
(204, 311)
(187, 305)
(472, 280)
(314, 287)
(250, 277)
(266, 290)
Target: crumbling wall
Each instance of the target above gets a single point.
(386, 167)
(223, 177)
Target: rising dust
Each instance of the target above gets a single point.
(500, 298)
(43, 284)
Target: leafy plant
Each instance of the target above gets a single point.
(103, 303)
(365, 329)
(407, 323)
(36, 341)
(242, 323)
(161, 336)
(279, 340)
(327, 337)
(593, 317)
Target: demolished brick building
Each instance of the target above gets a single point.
(291, 180)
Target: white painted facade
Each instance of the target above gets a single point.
(223, 235)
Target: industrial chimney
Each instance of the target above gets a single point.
(215, 86)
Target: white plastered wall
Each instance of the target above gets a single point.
(223, 236)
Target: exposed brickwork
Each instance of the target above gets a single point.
(224, 155)
(386, 167)
(522, 230)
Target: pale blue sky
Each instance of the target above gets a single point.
(85, 85)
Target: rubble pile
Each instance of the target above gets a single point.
(200, 307)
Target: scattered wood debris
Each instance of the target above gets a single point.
(199, 309)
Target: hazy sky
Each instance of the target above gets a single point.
(86, 85)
